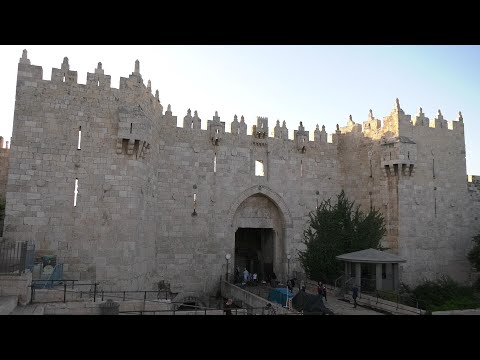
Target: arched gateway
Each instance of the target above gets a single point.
(261, 225)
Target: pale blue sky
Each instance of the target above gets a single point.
(312, 84)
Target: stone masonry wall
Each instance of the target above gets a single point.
(3, 171)
(4, 155)
(137, 174)
(160, 202)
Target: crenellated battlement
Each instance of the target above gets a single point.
(397, 123)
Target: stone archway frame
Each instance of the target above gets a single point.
(277, 200)
(269, 193)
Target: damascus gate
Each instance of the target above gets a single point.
(127, 192)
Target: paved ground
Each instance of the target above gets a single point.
(32, 309)
(339, 307)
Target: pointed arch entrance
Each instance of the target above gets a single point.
(260, 224)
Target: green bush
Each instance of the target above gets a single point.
(336, 228)
(445, 294)
(474, 253)
(476, 284)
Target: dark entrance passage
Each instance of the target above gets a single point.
(254, 251)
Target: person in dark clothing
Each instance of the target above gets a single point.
(237, 275)
(289, 285)
(269, 310)
(355, 295)
(320, 288)
(273, 280)
(227, 307)
(324, 291)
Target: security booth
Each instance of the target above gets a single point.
(372, 270)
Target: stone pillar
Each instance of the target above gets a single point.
(358, 274)
(395, 274)
(389, 275)
(378, 276)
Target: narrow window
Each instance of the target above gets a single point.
(408, 155)
(433, 168)
(75, 193)
(98, 83)
(390, 155)
(259, 168)
(63, 78)
(131, 127)
(215, 163)
(194, 213)
(238, 131)
(301, 168)
(79, 138)
(191, 126)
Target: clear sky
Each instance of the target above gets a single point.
(313, 84)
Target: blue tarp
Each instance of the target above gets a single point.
(279, 296)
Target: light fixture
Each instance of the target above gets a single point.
(227, 256)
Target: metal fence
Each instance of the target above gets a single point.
(76, 290)
(15, 258)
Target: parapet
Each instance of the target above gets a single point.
(260, 130)
(238, 128)
(98, 78)
(397, 123)
(4, 145)
(301, 138)
(216, 129)
(64, 74)
(280, 132)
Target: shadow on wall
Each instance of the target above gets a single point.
(2, 214)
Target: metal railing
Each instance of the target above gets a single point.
(95, 293)
(394, 300)
(200, 310)
(15, 258)
(50, 285)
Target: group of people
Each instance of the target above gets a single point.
(322, 290)
(247, 277)
(291, 284)
(229, 305)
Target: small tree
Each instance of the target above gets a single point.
(474, 254)
(337, 229)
